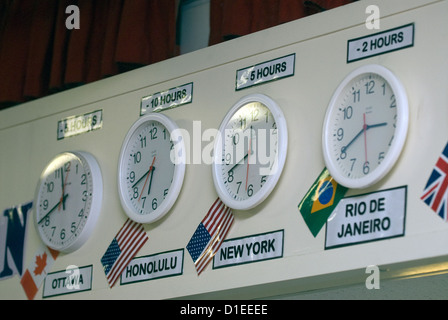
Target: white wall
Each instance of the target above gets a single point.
(28, 141)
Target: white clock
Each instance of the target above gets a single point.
(365, 126)
(151, 168)
(68, 200)
(250, 152)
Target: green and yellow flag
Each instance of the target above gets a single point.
(320, 201)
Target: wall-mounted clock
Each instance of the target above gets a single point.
(68, 200)
(365, 126)
(250, 152)
(151, 168)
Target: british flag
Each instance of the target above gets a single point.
(435, 194)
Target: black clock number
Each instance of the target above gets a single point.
(136, 193)
(254, 113)
(230, 176)
(153, 133)
(132, 177)
(50, 187)
(366, 167)
(263, 180)
(393, 103)
(250, 190)
(356, 96)
(154, 204)
(137, 157)
(340, 134)
(45, 204)
(348, 113)
(369, 87)
(142, 141)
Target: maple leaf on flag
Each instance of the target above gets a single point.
(41, 263)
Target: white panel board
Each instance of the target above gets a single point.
(28, 140)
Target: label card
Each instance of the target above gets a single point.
(68, 281)
(161, 265)
(75, 125)
(171, 98)
(380, 43)
(375, 216)
(265, 72)
(249, 249)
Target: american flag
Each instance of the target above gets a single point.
(435, 194)
(123, 248)
(210, 234)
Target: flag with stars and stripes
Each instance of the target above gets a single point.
(123, 248)
(435, 194)
(210, 234)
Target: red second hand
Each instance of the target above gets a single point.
(147, 176)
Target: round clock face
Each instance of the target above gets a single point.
(151, 168)
(365, 127)
(68, 200)
(250, 152)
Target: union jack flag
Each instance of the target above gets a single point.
(210, 234)
(435, 194)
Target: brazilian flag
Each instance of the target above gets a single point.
(320, 201)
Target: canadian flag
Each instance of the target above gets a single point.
(36, 272)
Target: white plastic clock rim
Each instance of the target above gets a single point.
(400, 131)
(95, 207)
(178, 176)
(282, 150)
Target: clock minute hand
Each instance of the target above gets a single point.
(249, 152)
(52, 209)
(142, 177)
(64, 184)
(343, 149)
(239, 162)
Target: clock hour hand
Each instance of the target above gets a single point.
(150, 180)
(382, 124)
(52, 209)
(151, 168)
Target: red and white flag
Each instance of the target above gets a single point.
(38, 269)
(210, 234)
(123, 248)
